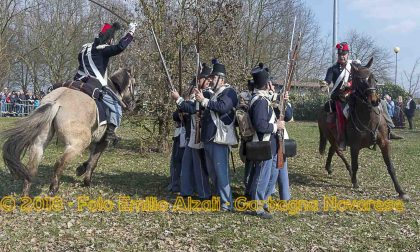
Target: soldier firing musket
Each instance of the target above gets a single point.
(193, 171)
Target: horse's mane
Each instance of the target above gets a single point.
(121, 78)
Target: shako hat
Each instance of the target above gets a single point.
(218, 69)
(205, 71)
(342, 48)
(260, 76)
(108, 32)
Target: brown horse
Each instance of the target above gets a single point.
(365, 128)
(72, 116)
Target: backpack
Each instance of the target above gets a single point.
(246, 130)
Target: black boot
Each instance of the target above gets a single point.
(110, 135)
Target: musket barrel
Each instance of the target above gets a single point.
(282, 105)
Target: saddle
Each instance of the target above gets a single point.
(91, 88)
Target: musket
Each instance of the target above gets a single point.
(180, 68)
(289, 52)
(197, 83)
(291, 64)
(180, 79)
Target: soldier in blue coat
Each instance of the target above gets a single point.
(217, 132)
(265, 123)
(194, 175)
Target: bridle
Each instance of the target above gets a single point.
(362, 94)
(119, 92)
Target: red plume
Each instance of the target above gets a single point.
(106, 27)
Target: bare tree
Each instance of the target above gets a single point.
(9, 10)
(363, 47)
(412, 79)
(240, 33)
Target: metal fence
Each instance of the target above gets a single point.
(21, 108)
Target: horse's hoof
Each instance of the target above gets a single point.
(405, 197)
(355, 186)
(51, 193)
(330, 172)
(81, 170)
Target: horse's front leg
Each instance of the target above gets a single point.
(385, 149)
(354, 165)
(341, 155)
(92, 162)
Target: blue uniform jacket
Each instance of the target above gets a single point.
(260, 115)
(226, 101)
(101, 55)
(331, 77)
(189, 107)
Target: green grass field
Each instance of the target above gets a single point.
(125, 171)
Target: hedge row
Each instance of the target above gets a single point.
(306, 105)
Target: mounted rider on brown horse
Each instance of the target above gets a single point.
(366, 126)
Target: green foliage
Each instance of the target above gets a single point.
(306, 104)
(394, 91)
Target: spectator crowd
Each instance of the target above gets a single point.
(397, 110)
(17, 103)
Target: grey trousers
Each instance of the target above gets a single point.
(114, 111)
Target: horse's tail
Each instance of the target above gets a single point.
(322, 141)
(23, 135)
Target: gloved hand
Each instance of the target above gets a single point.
(323, 83)
(132, 28)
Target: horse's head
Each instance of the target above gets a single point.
(364, 83)
(124, 81)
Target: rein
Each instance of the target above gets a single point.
(360, 96)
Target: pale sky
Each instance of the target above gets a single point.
(390, 22)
